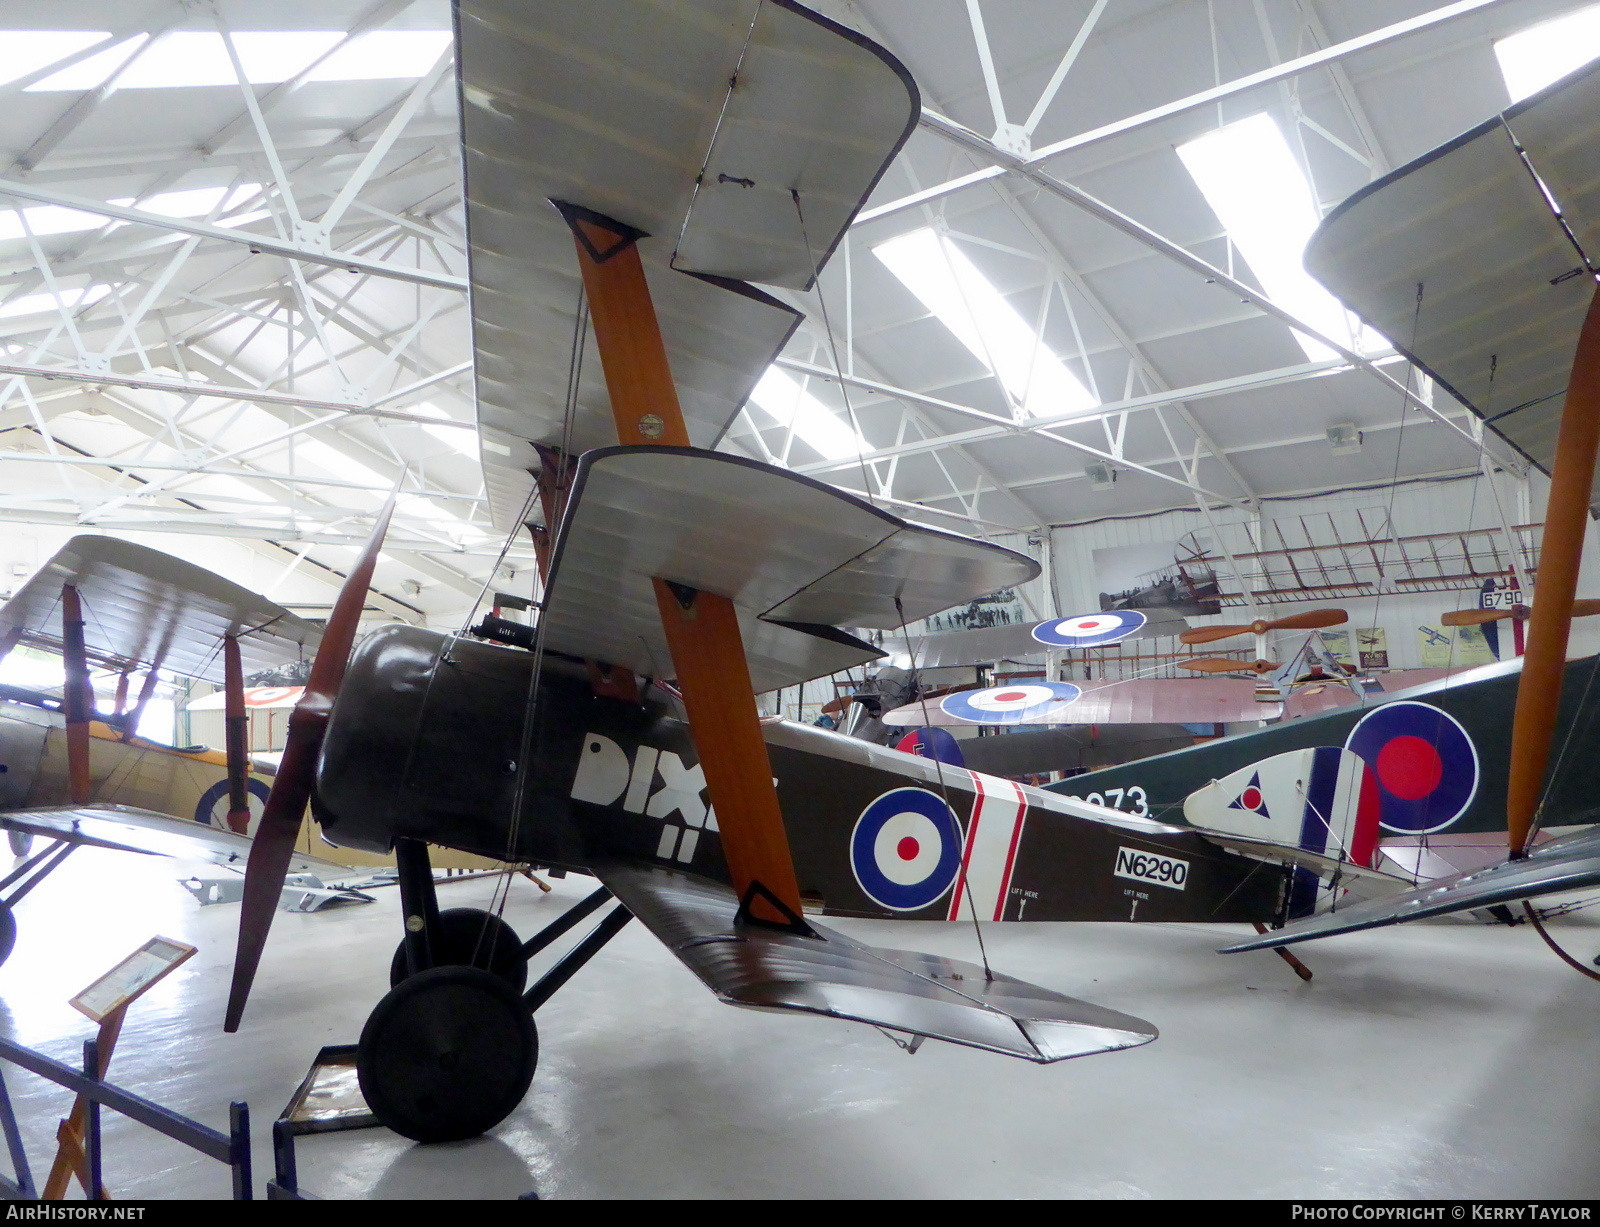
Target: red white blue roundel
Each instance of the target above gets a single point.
(1025, 702)
(1425, 765)
(1089, 630)
(906, 849)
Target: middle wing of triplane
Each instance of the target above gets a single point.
(797, 557)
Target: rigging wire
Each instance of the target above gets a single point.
(944, 792)
(833, 346)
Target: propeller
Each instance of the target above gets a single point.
(279, 828)
(1477, 617)
(1226, 664)
(1311, 620)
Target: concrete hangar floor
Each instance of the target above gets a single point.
(1435, 1060)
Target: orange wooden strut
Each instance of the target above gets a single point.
(702, 628)
(1566, 519)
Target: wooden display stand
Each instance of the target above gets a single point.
(106, 1001)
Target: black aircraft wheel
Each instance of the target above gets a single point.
(472, 938)
(8, 931)
(21, 842)
(447, 1055)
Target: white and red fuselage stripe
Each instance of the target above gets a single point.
(989, 853)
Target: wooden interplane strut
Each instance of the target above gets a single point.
(702, 628)
(77, 698)
(236, 738)
(1550, 620)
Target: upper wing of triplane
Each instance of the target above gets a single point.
(739, 135)
(827, 973)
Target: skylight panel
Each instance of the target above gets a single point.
(815, 425)
(33, 304)
(25, 51)
(199, 57)
(93, 72)
(949, 285)
(383, 55)
(462, 442)
(1256, 188)
(1533, 58)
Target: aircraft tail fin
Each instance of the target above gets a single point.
(1315, 808)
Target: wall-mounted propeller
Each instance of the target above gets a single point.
(1311, 620)
(1477, 617)
(291, 787)
(1226, 664)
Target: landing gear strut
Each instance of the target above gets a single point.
(450, 1051)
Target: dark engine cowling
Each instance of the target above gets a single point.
(424, 742)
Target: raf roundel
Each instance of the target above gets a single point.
(1026, 702)
(1423, 761)
(906, 849)
(1090, 630)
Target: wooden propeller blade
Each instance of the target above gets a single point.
(1312, 619)
(275, 838)
(1225, 664)
(1477, 617)
(1474, 617)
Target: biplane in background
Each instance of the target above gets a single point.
(620, 736)
(76, 776)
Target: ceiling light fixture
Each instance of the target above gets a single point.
(1534, 58)
(1254, 185)
(28, 51)
(949, 285)
(814, 424)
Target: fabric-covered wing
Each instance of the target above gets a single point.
(1503, 290)
(796, 557)
(143, 606)
(1569, 863)
(1206, 700)
(770, 969)
(699, 124)
(128, 829)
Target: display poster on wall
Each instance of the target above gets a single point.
(1466, 648)
(1372, 647)
(1338, 645)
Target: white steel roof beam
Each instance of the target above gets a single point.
(257, 243)
(1278, 72)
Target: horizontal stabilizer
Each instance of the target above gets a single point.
(128, 829)
(921, 994)
(796, 557)
(1569, 863)
(1358, 880)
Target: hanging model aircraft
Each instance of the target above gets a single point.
(641, 172)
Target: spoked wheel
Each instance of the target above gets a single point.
(447, 1055)
(468, 937)
(8, 931)
(21, 842)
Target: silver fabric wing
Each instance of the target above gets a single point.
(796, 557)
(741, 136)
(827, 973)
(1569, 863)
(1460, 260)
